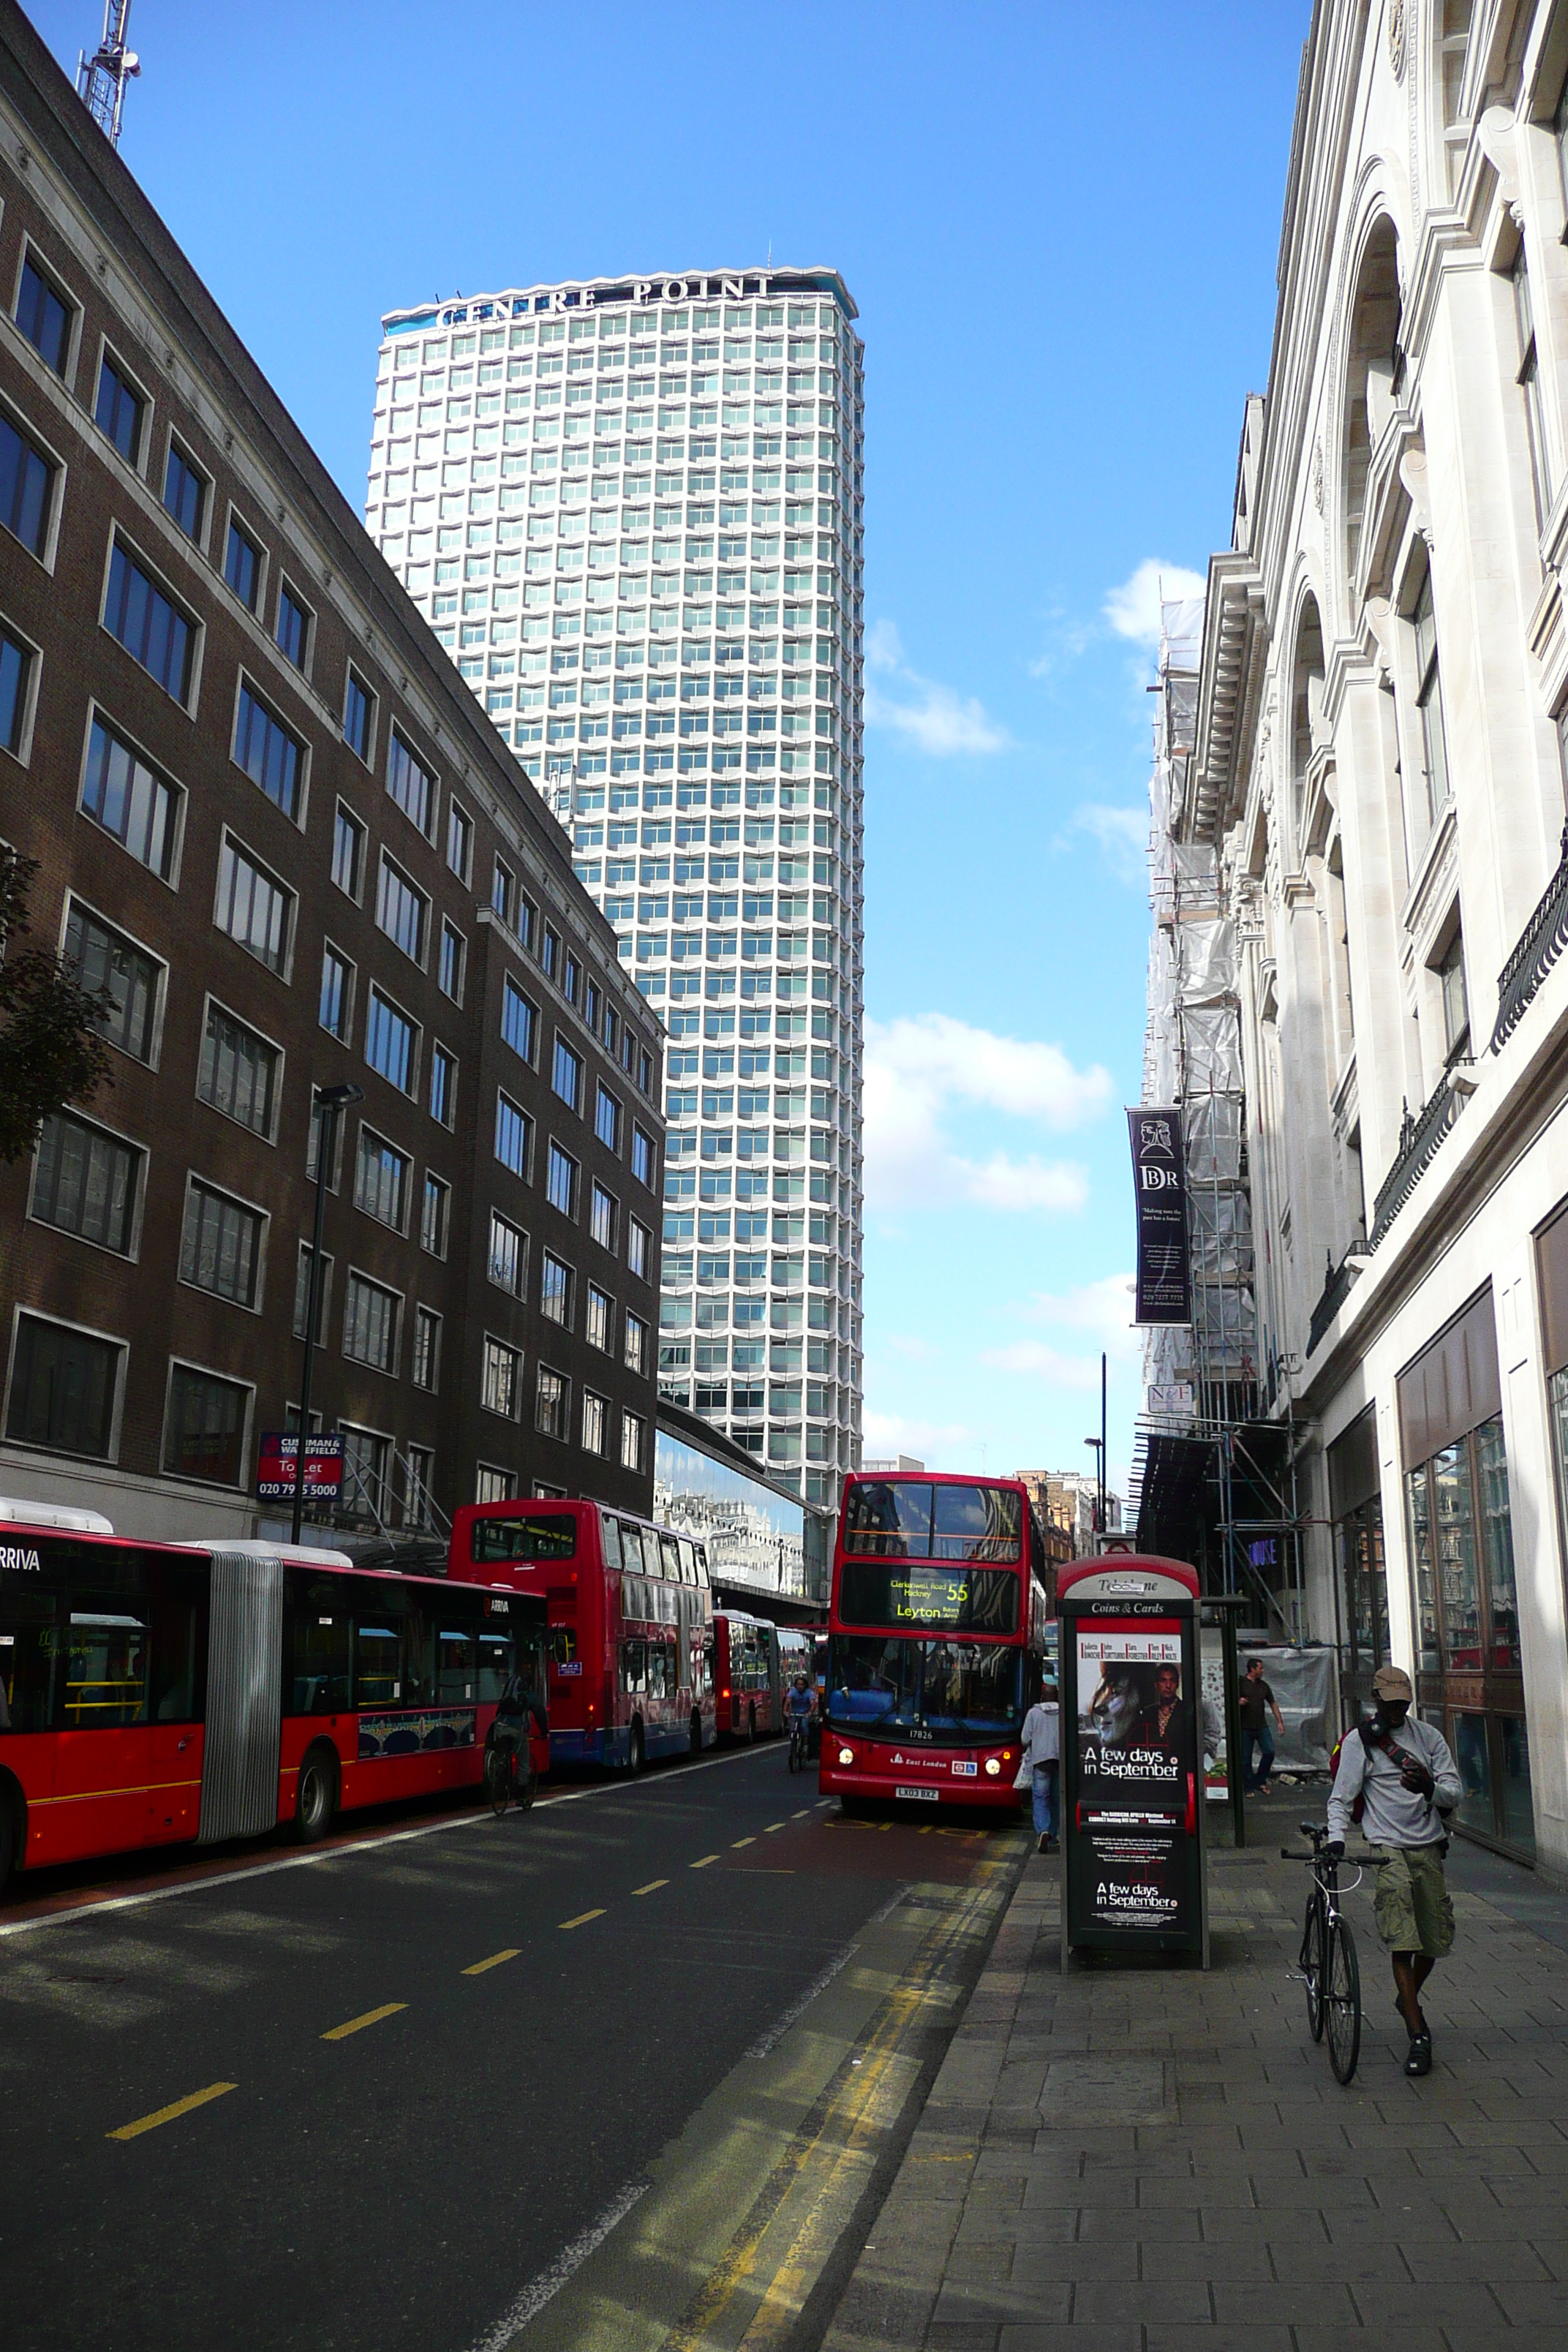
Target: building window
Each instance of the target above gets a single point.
(561, 1181)
(148, 624)
(337, 1004)
(86, 1182)
(204, 1431)
(604, 1216)
(514, 1132)
(185, 491)
(220, 1247)
(119, 410)
(527, 918)
(636, 1350)
(411, 786)
(454, 957)
(358, 716)
(106, 962)
(303, 1294)
(459, 841)
(599, 1325)
(596, 1415)
(1429, 697)
(418, 1474)
(550, 953)
(555, 1284)
(503, 893)
(443, 1085)
(271, 755)
(238, 1072)
(493, 1485)
(1529, 380)
(293, 631)
(434, 1214)
(313, 1143)
(130, 800)
(45, 316)
(370, 1315)
(16, 671)
(402, 911)
(242, 566)
(1455, 1003)
(508, 1266)
(639, 1248)
(553, 1403)
(571, 978)
(519, 1021)
(63, 1388)
(253, 906)
(381, 1175)
(348, 852)
(25, 480)
(426, 1369)
(607, 1119)
(367, 1494)
(642, 1156)
(632, 1427)
(566, 1074)
(390, 1038)
(501, 1383)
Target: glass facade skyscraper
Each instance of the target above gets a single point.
(632, 511)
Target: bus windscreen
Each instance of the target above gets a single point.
(524, 1538)
(910, 1593)
(906, 1518)
(952, 1689)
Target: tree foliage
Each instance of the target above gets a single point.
(50, 1049)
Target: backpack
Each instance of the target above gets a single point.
(1369, 1737)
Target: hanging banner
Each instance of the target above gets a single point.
(1164, 1286)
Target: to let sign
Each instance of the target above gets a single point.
(1159, 1178)
(278, 1462)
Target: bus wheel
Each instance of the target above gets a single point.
(634, 1747)
(318, 1796)
(695, 1732)
(11, 1820)
(751, 1725)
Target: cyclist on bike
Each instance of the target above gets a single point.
(1403, 1772)
(800, 1706)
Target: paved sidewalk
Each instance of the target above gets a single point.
(1137, 2160)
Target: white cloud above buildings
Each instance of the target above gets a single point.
(1133, 608)
(1101, 1311)
(921, 1070)
(1122, 833)
(933, 718)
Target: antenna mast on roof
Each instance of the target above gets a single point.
(100, 80)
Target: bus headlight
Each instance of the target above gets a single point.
(994, 1765)
(847, 1756)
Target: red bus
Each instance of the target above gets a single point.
(152, 1693)
(937, 1624)
(755, 1660)
(631, 1660)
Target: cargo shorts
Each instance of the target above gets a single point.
(1415, 1908)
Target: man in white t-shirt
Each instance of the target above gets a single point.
(1042, 1760)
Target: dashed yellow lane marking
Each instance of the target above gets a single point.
(494, 1962)
(775, 1825)
(704, 1861)
(804, 1814)
(583, 1918)
(740, 1842)
(652, 1886)
(358, 2024)
(167, 2115)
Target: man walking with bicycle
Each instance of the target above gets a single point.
(1398, 1779)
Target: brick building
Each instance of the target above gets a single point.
(270, 819)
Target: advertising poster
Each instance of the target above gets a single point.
(1136, 1747)
(1211, 1672)
(1159, 1177)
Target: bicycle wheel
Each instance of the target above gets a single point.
(499, 1766)
(1343, 2001)
(1313, 1963)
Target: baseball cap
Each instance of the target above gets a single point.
(1393, 1682)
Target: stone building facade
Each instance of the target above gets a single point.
(270, 819)
(1378, 761)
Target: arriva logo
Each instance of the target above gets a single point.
(24, 1561)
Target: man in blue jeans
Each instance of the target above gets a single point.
(1256, 1699)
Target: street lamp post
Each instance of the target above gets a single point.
(329, 1102)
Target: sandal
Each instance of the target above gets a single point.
(1418, 2058)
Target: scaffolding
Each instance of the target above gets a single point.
(1201, 1385)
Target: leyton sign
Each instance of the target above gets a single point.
(276, 1467)
(1160, 1186)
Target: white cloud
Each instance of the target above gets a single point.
(1133, 609)
(1103, 1308)
(909, 1346)
(916, 1067)
(1122, 833)
(933, 718)
(1032, 1356)
(934, 1443)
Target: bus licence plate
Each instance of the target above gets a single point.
(921, 1796)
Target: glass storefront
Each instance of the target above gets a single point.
(1355, 1505)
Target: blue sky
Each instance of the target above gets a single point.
(1061, 226)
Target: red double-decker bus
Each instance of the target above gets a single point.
(937, 1627)
(156, 1693)
(630, 1609)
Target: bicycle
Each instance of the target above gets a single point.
(799, 1734)
(1328, 1964)
(506, 1783)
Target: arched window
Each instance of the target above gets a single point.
(1370, 374)
(1306, 695)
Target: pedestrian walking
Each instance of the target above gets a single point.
(1040, 1767)
(1257, 1699)
(1397, 1777)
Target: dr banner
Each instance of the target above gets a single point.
(1133, 1759)
(1160, 1186)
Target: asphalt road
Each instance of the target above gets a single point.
(430, 2062)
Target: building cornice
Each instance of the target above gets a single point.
(1235, 644)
